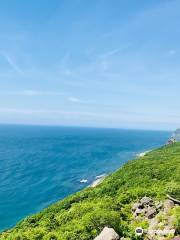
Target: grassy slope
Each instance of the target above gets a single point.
(83, 215)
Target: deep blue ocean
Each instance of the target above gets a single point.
(40, 165)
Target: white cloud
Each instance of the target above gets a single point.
(16, 110)
(13, 64)
(172, 51)
(32, 92)
(39, 93)
(115, 51)
(74, 99)
(63, 65)
(111, 53)
(113, 118)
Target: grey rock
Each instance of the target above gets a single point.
(136, 206)
(107, 234)
(168, 204)
(146, 201)
(171, 221)
(153, 223)
(169, 230)
(159, 205)
(151, 212)
(139, 211)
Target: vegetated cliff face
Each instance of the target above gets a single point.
(82, 216)
(176, 135)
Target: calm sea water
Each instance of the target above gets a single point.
(40, 165)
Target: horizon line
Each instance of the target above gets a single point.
(78, 126)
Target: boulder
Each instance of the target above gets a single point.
(139, 212)
(136, 206)
(107, 234)
(168, 204)
(151, 212)
(146, 201)
(159, 205)
(153, 223)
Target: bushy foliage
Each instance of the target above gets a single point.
(83, 215)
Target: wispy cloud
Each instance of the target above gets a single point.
(113, 117)
(32, 92)
(172, 52)
(74, 99)
(10, 110)
(116, 51)
(64, 65)
(40, 93)
(110, 53)
(12, 63)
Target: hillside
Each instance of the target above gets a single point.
(83, 215)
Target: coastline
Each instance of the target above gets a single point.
(99, 179)
(81, 182)
(142, 154)
(82, 207)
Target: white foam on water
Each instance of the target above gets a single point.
(83, 181)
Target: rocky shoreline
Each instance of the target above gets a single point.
(99, 179)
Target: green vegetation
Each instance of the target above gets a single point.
(83, 215)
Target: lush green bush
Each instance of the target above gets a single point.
(83, 215)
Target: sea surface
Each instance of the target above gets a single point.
(40, 165)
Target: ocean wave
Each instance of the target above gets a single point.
(83, 181)
(100, 176)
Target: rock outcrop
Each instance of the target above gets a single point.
(145, 208)
(107, 234)
(157, 215)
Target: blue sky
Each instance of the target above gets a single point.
(101, 63)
